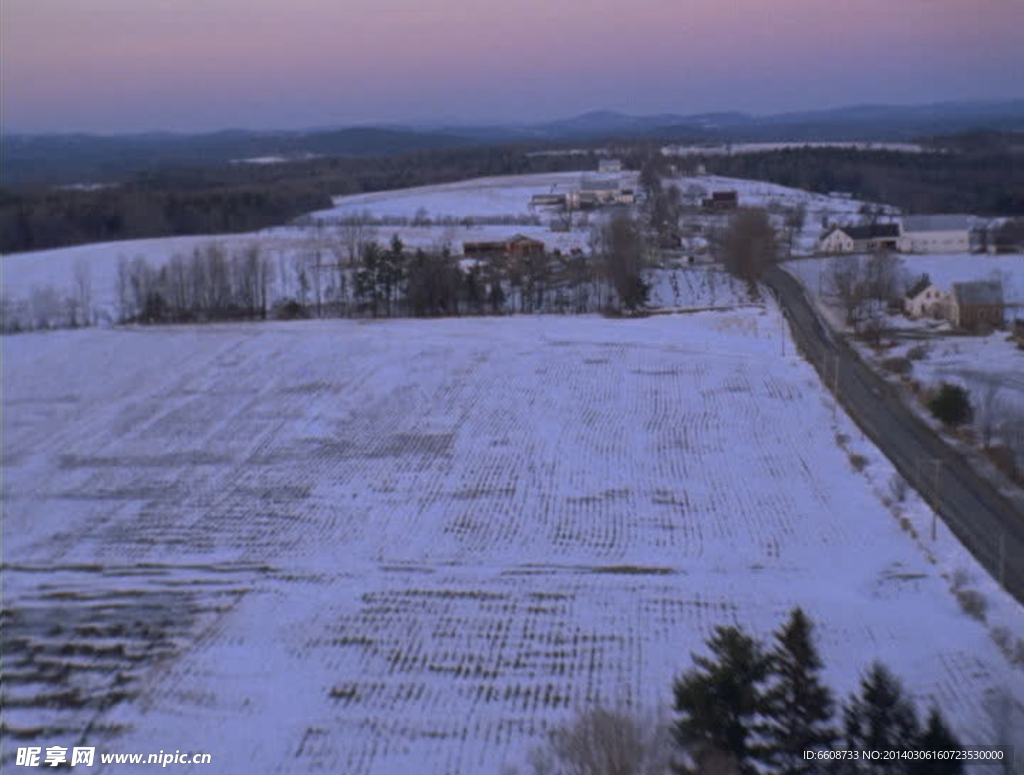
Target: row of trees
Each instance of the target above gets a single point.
(348, 273)
(762, 708)
(211, 284)
(46, 307)
(54, 218)
(751, 709)
(987, 182)
(218, 199)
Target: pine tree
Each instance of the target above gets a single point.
(799, 708)
(719, 700)
(937, 737)
(367, 276)
(880, 718)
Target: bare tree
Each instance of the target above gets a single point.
(605, 742)
(621, 247)
(796, 217)
(125, 310)
(353, 234)
(882, 277)
(988, 410)
(747, 246)
(83, 291)
(46, 308)
(845, 279)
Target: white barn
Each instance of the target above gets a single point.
(936, 233)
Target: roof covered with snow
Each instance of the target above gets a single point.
(919, 287)
(985, 292)
(873, 230)
(937, 222)
(599, 184)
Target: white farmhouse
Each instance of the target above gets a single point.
(926, 299)
(860, 239)
(936, 233)
(835, 240)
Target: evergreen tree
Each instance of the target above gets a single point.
(799, 708)
(719, 700)
(880, 718)
(937, 737)
(389, 270)
(496, 297)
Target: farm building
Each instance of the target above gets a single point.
(977, 306)
(835, 240)
(722, 200)
(547, 200)
(609, 165)
(516, 246)
(597, 192)
(936, 233)
(926, 299)
(858, 239)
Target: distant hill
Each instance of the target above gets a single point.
(858, 122)
(89, 158)
(84, 158)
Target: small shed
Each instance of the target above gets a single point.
(722, 200)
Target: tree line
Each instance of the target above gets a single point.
(347, 272)
(234, 198)
(988, 181)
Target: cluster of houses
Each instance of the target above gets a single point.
(909, 234)
(970, 306)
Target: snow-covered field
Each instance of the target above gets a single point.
(496, 196)
(411, 545)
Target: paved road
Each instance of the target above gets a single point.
(987, 523)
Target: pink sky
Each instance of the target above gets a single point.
(126, 65)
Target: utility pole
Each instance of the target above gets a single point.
(937, 462)
(835, 386)
(1002, 559)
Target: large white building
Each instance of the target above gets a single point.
(936, 233)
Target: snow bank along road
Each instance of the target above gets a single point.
(987, 523)
(408, 546)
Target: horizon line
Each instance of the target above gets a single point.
(452, 123)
